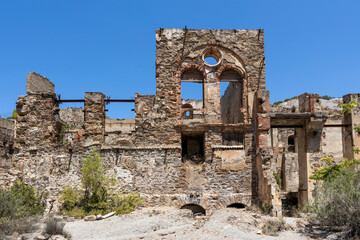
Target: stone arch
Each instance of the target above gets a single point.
(229, 67)
(213, 44)
(192, 70)
(195, 208)
(236, 205)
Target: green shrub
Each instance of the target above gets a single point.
(126, 203)
(33, 203)
(10, 205)
(332, 169)
(95, 183)
(13, 115)
(18, 206)
(277, 179)
(54, 225)
(337, 202)
(97, 197)
(76, 212)
(70, 197)
(273, 227)
(326, 97)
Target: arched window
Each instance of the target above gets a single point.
(231, 94)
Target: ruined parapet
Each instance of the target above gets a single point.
(39, 85)
(7, 138)
(36, 123)
(94, 118)
(309, 103)
(351, 119)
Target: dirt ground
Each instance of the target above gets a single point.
(172, 223)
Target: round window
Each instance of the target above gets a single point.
(212, 57)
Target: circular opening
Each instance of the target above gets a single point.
(210, 60)
(212, 57)
(187, 113)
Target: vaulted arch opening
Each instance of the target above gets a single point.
(236, 205)
(196, 209)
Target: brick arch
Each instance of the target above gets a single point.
(191, 67)
(211, 43)
(225, 67)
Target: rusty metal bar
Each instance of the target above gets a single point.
(286, 126)
(82, 100)
(337, 125)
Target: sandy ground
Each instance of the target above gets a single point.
(172, 223)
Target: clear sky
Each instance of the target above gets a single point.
(109, 45)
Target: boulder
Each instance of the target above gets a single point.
(37, 84)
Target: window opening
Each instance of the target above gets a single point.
(192, 146)
(291, 143)
(231, 97)
(211, 61)
(232, 138)
(192, 86)
(188, 114)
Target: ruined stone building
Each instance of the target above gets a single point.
(212, 152)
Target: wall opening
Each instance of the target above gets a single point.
(232, 138)
(231, 97)
(211, 60)
(196, 209)
(192, 86)
(189, 113)
(192, 147)
(236, 205)
(290, 204)
(291, 143)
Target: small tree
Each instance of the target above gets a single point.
(13, 115)
(95, 182)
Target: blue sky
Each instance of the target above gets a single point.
(109, 46)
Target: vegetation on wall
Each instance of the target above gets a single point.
(97, 195)
(13, 115)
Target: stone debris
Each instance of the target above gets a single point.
(70, 219)
(108, 215)
(90, 218)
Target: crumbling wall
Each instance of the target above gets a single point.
(7, 136)
(72, 117)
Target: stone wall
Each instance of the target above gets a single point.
(235, 149)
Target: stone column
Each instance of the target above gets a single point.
(94, 118)
(267, 187)
(36, 123)
(351, 139)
